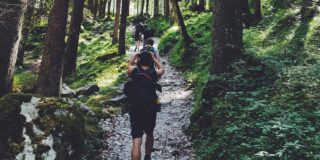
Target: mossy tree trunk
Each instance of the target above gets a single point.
(306, 11)
(50, 74)
(11, 16)
(123, 27)
(257, 10)
(147, 6)
(182, 27)
(73, 37)
(115, 38)
(227, 43)
(95, 9)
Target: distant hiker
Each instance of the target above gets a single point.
(150, 48)
(146, 35)
(143, 112)
(139, 30)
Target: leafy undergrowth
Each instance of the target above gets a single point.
(158, 24)
(267, 106)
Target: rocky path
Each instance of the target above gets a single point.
(170, 140)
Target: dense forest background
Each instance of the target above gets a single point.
(253, 66)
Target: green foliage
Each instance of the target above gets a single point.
(266, 107)
(158, 24)
(24, 82)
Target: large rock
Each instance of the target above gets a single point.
(88, 89)
(66, 91)
(39, 128)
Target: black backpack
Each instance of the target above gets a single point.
(141, 90)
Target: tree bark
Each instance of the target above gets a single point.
(25, 31)
(70, 60)
(202, 5)
(257, 10)
(182, 27)
(138, 5)
(95, 9)
(166, 9)
(246, 15)
(142, 7)
(306, 12)
(123, 26)
(109, 9)
(50, 74)
(115, 38)
(11, 12)
(147, 6)
(156, 8)
(227, 43)
(90, 4)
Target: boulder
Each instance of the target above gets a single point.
(38, 128)
(87, 90)
(66, 91)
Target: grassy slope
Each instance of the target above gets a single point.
(268, 107)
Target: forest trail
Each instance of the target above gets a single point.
(171, 142)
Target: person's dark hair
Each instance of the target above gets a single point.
(150, 41)
(145, 58)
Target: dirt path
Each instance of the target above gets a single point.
(170, 140)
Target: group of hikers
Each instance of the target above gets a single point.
(141, 35)
(145, 69)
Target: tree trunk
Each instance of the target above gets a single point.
(306, 12)
(183, 30)
(73, 37)
(138, 5)
(115, 37)
(227, 43)
(50, 74)
(123, 26)
(109, 9)
(246, 15)
(257, 10)
(156, 8)
(90, 4)
(202, 5)
(25, 31)
(166, 9)
(142, 7)
(11, 14)
(147, 7)
(95, 9)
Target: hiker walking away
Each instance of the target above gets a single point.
(143, 111)
(150, 48)
(146, 35)
(139, 29)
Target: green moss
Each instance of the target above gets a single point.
(24, 82)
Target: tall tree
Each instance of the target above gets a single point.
(109, 9)
(90, 4)
(147, 6)
(25, 31)
(202, 5)
(11, 17)
(257, 10)
(95, 9)
(115, 38)
(306, 11)
(50, 74)
(156, 8)
(73, 37)
(227, 43)
(123, 26)
(142, 7)
(166, 9)
(182, 27)
(246, 15)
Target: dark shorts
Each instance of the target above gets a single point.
(142, 121)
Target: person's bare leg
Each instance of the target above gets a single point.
(136, 149)
(149, 144)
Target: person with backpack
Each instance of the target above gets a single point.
(150, 48)
(143, 99)
(139, 30)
